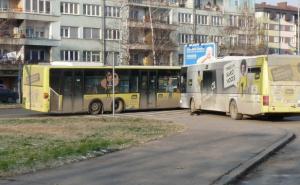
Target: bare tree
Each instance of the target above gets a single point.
(250, 34)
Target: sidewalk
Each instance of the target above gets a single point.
(209, 147)
(10, 106)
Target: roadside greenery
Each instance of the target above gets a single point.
(30, 144)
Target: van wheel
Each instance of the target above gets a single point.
(95, 108)
(119, 106)
(192, 107)
(234, 113)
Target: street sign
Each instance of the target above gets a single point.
(199, 53)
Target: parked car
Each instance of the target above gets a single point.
(7, 96)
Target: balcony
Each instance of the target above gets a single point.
(152, 3)
(30, 41)
(157, 24)
(28, 36)
(144, 46)
(28, 15)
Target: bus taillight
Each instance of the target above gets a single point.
(266, 100)
(46, 95)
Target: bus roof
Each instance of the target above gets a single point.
(226, 59)
(93, 65)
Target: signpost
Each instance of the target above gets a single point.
(199, 53)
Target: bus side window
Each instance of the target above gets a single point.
(256, 71)
(92, 81)
(190, 82)
(134, 81)
(123, 86)
(55, 80)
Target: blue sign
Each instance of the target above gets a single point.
(199, 53)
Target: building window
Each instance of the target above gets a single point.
(201, 38)
(91, 56)
(69, 55)
(112, 11)
(91, 10)
(91, 33)
(112, 34)
(276, 39)
(4, 5)
(31, 32)
(69, 8)
(69, 32)
(38, 6)
(111, 57)
(217, 20)
(184, 18)
(202, 19)
(185, 38)
(35, 55)
(233, 20)
(217, 39)
(233, 41)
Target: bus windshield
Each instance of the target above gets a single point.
(287, 69)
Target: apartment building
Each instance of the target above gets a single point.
(28, 33)
(124, 32)
(279, 23)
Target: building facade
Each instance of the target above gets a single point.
(279, 23)
(124, 32)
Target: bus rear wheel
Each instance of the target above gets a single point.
(233, 110)
(95, 108)
(119, 106)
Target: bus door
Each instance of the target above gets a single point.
(209, 90)
(148, 81)
(72, 91)
(78, 91)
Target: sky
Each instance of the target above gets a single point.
(291, 2)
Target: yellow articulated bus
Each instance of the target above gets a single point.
(255, 86)
(59, 88)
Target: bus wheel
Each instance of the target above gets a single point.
(192, 107)
(275, 117)
(119, 106)
(95, 108)
(234, 114)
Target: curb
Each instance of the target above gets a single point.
(241, 169)
(13, 106)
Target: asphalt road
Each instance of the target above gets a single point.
(284, 167)
(18, 113)
(211, 145)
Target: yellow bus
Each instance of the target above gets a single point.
(256, 86)
(53, 88)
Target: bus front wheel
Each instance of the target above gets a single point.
(95, 108)
(192, 107)
(234, 114)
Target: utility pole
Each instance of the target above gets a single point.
(298, 28)
(103, 32)
(279, 31)
(194, 21)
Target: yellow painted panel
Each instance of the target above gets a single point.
(131, 100)
(168, 100)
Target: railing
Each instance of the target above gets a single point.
(54, 101)
(153, 2)
(20, 10)
(22, 35)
